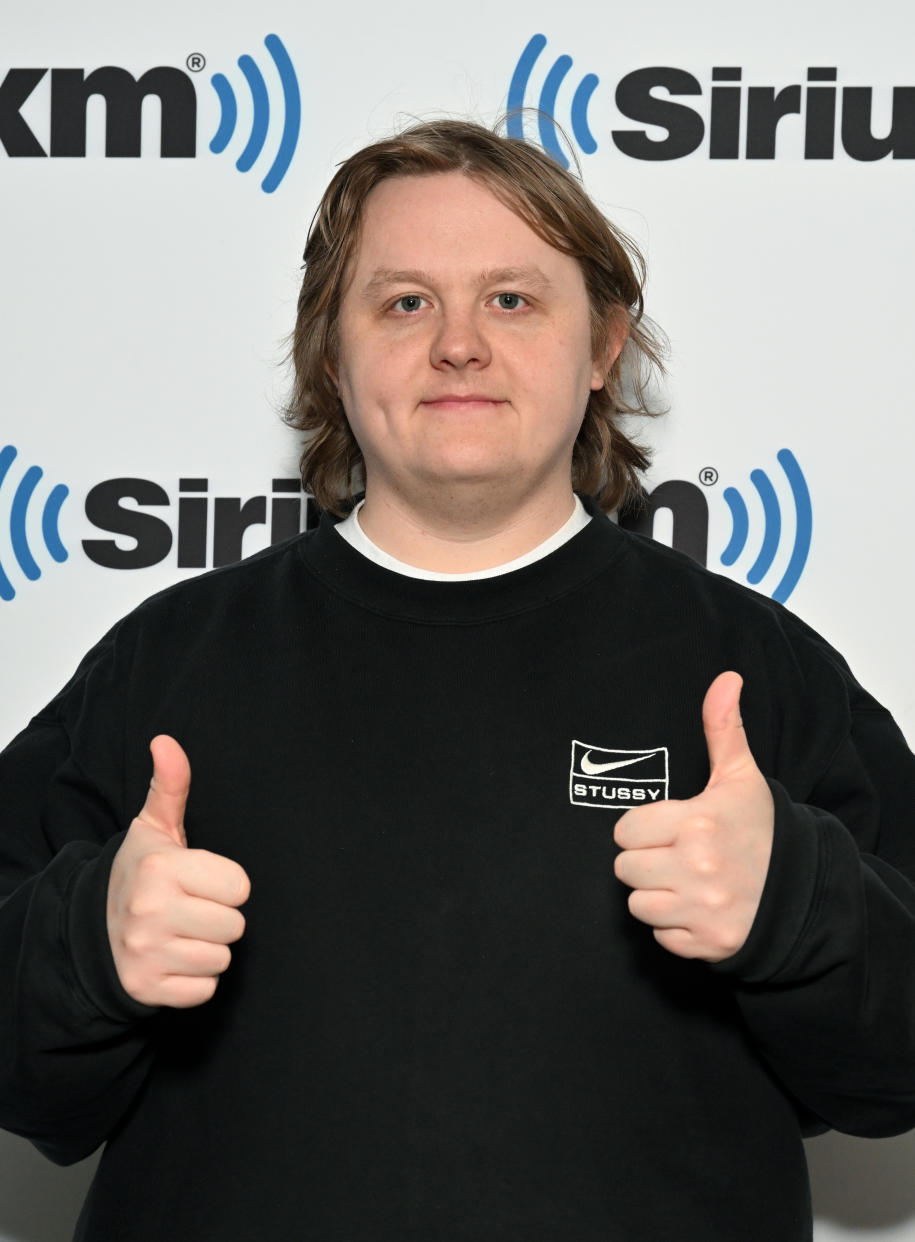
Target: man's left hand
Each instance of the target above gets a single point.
(697, 867)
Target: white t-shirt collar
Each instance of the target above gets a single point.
(354, 535)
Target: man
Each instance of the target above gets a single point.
(538, 944)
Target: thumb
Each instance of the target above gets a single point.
(727, 744)
(168, 788)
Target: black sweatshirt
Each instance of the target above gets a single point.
(442, 1023)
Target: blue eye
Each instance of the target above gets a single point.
(509, 301)
(410, 302)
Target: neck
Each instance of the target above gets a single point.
(450, 533)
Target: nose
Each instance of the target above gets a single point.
(460, 341)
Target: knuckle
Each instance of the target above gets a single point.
(716, 899)
(154, 866)
(703, 863)
(139, 905)
(702, 824)
(137, 941)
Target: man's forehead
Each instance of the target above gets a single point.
(437, 226)
(405, 213)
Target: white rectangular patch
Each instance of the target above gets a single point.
(615, 779)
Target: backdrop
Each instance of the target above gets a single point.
(157, 184)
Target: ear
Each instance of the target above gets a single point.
(617, 335)
(329, 371)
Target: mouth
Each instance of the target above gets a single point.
(455, 401)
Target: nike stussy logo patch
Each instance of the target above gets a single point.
(617, 778)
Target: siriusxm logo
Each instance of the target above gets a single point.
(138, 523)
(772, 526)
(23, 493)
(261, 118)
(735, 120)
(546, 104)
(688, 511)
(123, 95)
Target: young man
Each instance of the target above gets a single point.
(538, 943)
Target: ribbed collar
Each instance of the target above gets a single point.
(351, 575)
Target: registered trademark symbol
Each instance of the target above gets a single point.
(708, 476)
(196, 61)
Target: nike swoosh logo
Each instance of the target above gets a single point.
(595, 769)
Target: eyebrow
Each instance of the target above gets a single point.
(382, 277)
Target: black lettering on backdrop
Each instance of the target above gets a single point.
(200, 542)
(724, 125)
(634, 98)
(688, 509)
(820, 122)
(71, 90)
(765, 108)
(15, 135)
(761, 109)
(152, 537)
(857, 133)
(123, 95)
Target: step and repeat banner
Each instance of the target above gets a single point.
(156, 184)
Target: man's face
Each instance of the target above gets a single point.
(465, 343)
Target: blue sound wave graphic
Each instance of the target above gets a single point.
(772, 528)
(21, 500)
(547, 102)
(292, 113)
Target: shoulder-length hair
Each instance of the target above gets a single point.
(606, 462)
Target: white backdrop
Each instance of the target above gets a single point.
(146, 301)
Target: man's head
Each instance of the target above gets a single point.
(551, 204)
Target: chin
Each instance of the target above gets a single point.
(470, 461)
(470, 473)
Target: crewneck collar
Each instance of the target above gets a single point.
(351, 528)
(351, 575)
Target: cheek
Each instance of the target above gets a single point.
(562, 374)
(354, 372)
(369, 389)
(368, 367)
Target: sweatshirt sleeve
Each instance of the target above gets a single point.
(75, 1048)
(826, 979)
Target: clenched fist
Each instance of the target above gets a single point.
(697, 867)
(172, 911)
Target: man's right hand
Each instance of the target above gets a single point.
(171, 910)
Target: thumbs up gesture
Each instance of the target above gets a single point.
(697, 867)
(172, 911)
